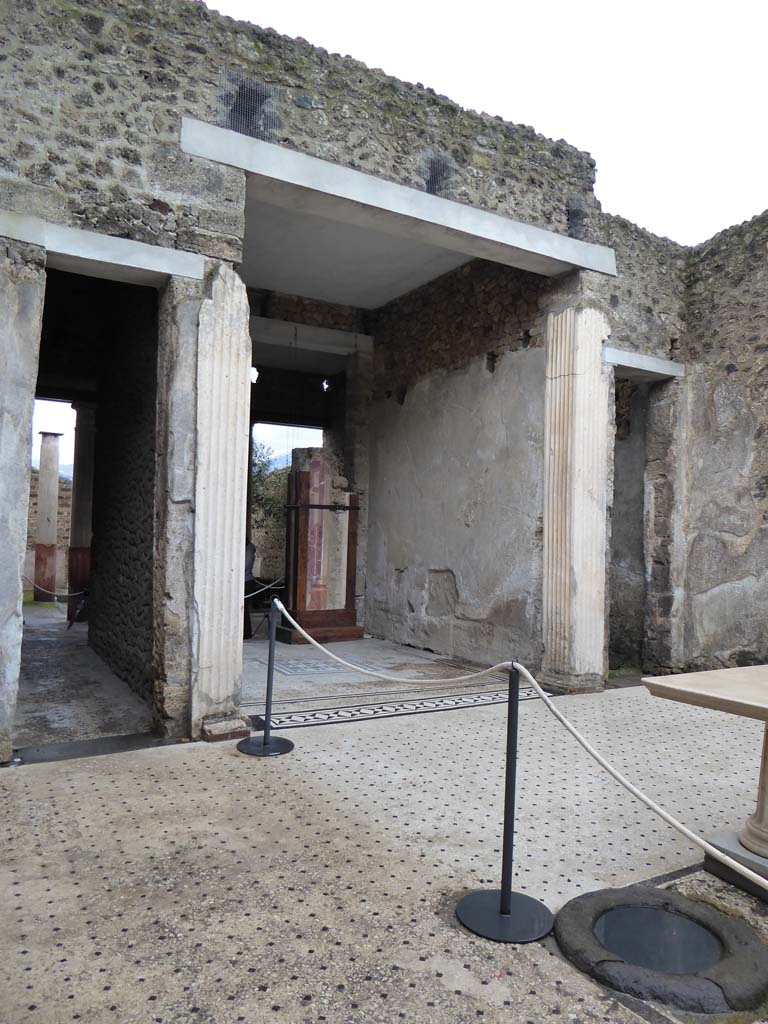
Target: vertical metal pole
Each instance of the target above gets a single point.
(273, 617)
(509, 793)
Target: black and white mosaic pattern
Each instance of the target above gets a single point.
(388, 709)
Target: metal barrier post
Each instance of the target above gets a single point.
(501, 914)
(268, 745)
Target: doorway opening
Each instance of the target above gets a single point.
(627, 579)
(88, 667)
(272, 451)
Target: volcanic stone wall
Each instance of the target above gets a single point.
(93, 94)
(481, 309)
(725, 430)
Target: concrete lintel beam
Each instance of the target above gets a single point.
(104, 256)
(285, 334)
(285, 177)
(636, 366)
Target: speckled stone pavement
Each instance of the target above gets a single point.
(190, 884)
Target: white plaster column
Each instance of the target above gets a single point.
(22, 287)
(223, 416)
(47, 517)
(81, 521)
(575, 494)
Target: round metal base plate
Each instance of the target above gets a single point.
(529, 918)
(256, 747)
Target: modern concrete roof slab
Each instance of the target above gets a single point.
(302, 211)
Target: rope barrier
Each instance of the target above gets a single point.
(51, 592)
(269, 586)
(637, 793)
(380, 675)
(712, 851)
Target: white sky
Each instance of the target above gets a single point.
(283, 439)
(58, 418)
(668, 97)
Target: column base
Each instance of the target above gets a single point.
(45, 571)
(225, 727)
(729, 844)
(561, 682)
(754, 837)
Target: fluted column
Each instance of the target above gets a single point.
(575, 496)
(223, 414)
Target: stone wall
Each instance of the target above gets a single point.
(121, 618)
(725, 582)
(481, 309)
(454, 553)
(94, 94)
(645, 304)
(22, 287)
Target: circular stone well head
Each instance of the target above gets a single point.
(657, 945)
(659, 939)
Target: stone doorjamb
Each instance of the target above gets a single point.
(22, 290)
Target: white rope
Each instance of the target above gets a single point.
(713, 852)
(376, 693)
(729, 862)
(379, 675)
(51, 592)
(269, 586)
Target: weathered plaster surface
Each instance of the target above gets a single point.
(724, 588)
(454, 551)
(22, 287)
(175, 499)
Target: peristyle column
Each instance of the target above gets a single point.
(223, 418)
(47, 517)
(576, 450)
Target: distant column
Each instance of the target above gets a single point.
(82, 499)
(47, 517)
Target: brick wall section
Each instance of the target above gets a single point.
(64, 513)
(91, 134)
(299, 310)
(480, 309)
